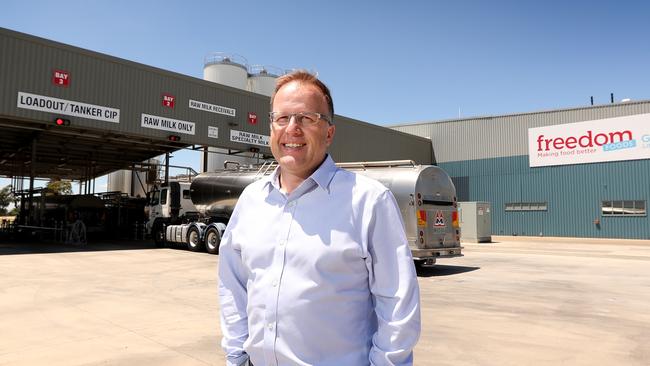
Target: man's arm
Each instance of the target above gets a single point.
(233, 298)
(394, 287)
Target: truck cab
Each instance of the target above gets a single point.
(169, 204)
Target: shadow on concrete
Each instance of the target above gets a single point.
(30, 247)
(443, 270)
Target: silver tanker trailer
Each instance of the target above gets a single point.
(195, 214)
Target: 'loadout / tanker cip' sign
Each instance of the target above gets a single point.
(609, 139)
(49, 104)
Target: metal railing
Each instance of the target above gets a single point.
(387, 163)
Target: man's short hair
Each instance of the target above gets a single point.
(307, 78)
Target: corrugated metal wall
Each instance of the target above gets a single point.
(367, 142)
(501, 136)
(573, 192)
(27, 64)
(488, 161)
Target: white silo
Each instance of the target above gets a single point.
(116, 181)
(262, 79)
(226, 69)
(133, 183)
(231, 70)
(126, 181)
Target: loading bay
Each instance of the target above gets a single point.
(516, 301)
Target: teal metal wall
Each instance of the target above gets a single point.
(573, 192)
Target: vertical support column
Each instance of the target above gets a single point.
(166, 168)
(88, 178)
(32, 172)
(22, 220)
(88, 175)
(132, 183)
(205, 159)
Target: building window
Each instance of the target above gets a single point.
(623, 208)
(527, 206)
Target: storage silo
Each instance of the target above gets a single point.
(226, 69)
(133, 183)
(262, 79)
(129, 182)
(117, 181)
(231, 70)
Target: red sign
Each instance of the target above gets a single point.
(440, 219)
(252, 118)
(60, 78)
(168, 100)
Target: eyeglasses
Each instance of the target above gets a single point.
(282, 119)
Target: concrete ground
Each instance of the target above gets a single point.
(517, 301)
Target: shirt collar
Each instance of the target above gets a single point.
(325, 172)
(322, 176)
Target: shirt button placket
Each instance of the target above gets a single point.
(278, 267)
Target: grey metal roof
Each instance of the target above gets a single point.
(93, 145)
(506, 135)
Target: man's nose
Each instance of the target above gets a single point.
(294, 125)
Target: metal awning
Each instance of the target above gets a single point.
(67, 152)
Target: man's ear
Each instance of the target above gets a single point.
(331, 129)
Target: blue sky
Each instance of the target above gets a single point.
(387, 62)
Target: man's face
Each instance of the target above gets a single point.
(298, 148)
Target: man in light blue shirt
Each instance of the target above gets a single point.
(314, 266)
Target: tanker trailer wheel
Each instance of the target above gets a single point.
(212, 240)
(419, 263)
(194, 240)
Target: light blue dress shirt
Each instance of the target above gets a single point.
(321, 276)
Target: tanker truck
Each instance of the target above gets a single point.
(195, 214)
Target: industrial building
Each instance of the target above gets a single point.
(578, 172)
(71, 113)
(114, 112)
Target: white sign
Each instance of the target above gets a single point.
(167, 124)
(609, 139)
(249, 138)
(213, 132)
(67, 107)
(194, 104)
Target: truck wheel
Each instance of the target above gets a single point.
(158, 234)
(424, 263)
(212, 240)
(194, 240)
